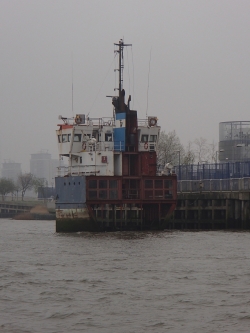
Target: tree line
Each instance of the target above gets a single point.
(25, 181)
(171, 150)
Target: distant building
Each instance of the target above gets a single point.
(11, 170)
(234, 141)
(43, 166)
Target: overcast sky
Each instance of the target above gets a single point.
(199, 68)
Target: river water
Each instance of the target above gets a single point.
(123, 281)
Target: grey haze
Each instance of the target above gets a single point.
(199, 69)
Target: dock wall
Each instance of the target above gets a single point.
(211, 210)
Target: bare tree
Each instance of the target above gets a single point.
(212, 152)
(25, 182)
(14, 192)
(201, 150)
(189, 154)
(205, 151)
(6, 186)
(40, 185)
(169, 149)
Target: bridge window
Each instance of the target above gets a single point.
(144, 138)
(59, 138)
(69, 137)
(77, 137)
(86, 137)
(108, 137)
(64, 138)
(153, 138)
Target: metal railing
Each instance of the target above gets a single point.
(213, 170)
(103, 146)
(77, 170)
(119, 145)
(213, 185)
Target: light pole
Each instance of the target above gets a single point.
(218, 151)
(240, 154)
(179, 152)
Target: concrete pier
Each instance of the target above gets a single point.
(10, 209)
(211, 211)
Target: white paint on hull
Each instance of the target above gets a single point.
(72, 213)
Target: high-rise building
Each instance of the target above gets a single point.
(43, 166)
(11, 170)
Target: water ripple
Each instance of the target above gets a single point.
(122, 282)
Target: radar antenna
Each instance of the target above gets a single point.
(118, 101)
(121, 64)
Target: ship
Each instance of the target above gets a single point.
(111, 182)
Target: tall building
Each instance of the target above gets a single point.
(43, 166)
(11, 170)
(234, 141)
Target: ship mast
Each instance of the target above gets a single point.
(121, 65)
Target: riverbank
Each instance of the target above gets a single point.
(27, 210)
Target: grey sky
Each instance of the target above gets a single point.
(199, 70)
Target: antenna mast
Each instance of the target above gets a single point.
(121, 64)
(72, 88)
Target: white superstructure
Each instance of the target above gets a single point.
(91, 148)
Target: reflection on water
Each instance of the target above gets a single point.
(122, 281)
(118, 234)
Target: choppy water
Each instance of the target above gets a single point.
(122, 282)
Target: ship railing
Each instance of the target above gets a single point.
(119, 146)
(104, 145)
(62, 171)
(77, 170)
(105, 121)
(98, 146)
(142, 122)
